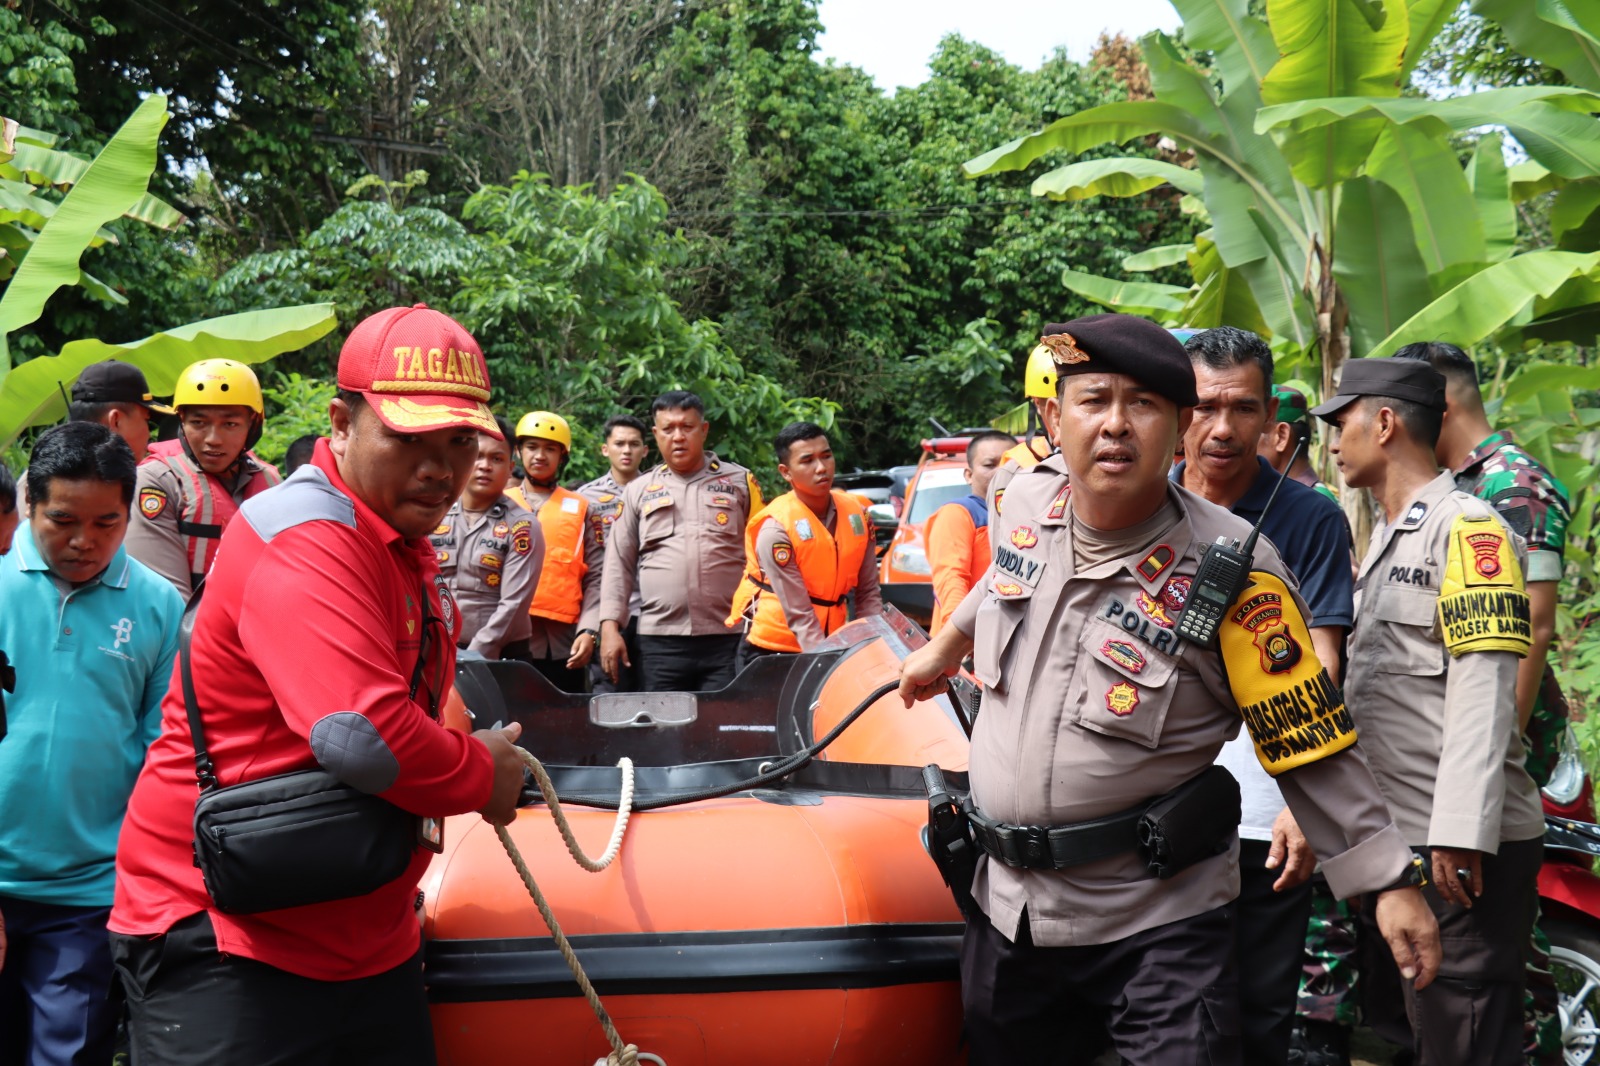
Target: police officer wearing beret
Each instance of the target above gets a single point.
(1442, 620)
(1093, 708)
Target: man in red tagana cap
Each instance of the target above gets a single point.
(323, 601)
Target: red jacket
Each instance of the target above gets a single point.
(313, 610)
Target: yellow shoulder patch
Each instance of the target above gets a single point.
(1483, 604)
(1295, 713)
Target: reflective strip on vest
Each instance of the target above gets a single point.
(559, 594)
(829, 563)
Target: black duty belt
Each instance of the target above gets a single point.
(1055, 847)
(819, 601)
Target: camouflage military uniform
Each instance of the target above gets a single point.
(1328, 979)
(1537, 506)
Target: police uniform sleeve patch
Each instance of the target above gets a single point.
(522, 537)
(152, 501)
(1483, 604)
(1293, 710)
(782, 554)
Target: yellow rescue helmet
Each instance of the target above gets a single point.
(217, 383)
(1039, 382)
(545, 425)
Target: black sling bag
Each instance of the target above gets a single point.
(297, 838)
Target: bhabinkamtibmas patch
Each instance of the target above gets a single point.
(1295, 713)
(1483, 604)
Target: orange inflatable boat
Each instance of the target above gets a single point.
(800, 923)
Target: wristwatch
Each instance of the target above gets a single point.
(589, 632)
(1415, 875)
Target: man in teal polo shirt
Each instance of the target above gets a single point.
(91, 635)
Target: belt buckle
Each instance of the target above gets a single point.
(1033, 846)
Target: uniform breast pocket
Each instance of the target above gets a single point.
(994, 633)
(1406, 617)
(657, 520)
(1121, 687)
(721, 508)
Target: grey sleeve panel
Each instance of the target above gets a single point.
(348, 746)
(308, 496)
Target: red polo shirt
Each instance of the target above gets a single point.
(312, 608)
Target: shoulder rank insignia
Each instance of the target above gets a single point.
(1058, 507)
(152, 502)
(1293, 710)
(1483, 604)
(1155, 564)
(1415, 514)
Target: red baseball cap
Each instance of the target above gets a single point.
(419, 370)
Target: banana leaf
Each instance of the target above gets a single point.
(31, 394)
(1491, 189)
(1487, 108)
(1162, 302)
(1558, 34)
(1418, 162)
(1114, 177)
(1376, 262)
(1155, 258)
(1490, 300)
(1575, 217)
(113, 183)
(1241, 44)
(1107, 124)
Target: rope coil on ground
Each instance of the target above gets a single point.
(621, 1054)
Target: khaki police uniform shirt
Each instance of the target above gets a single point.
(1441, 731)
(552, 639)
(1092, 706)
(156, 542)
(681, 539)
(605, 503)
(491, 562)
(789, 584)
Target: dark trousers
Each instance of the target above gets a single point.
(1471, 1015)
(1165, 997)
(1269, 937)
(687, 664)
(190, 1006)
(749, 653)
(627, 676)
(55, 988)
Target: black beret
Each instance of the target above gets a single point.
(1400, 379)
(1123, 344)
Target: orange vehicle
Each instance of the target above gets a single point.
(905, 575)
(802, 922)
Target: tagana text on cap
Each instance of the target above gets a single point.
(419, 369)
(1400, 379)
(1123, 344)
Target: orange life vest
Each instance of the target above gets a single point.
(829, 563)
(1024, 454)
(559, 594)
(206, 512)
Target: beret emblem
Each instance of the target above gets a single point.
(1064, 347)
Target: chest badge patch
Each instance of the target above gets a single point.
(606, 497)
(1008, 588)
(1121, 699)
(1176, 593)
(1024, 537)
(1153, 609)
(492, 580)
(500, 529)
(656, 487)
(489, 561)
(441, 529)
(152, 502)
(1123, 654)
(442, 555)
(722, 518)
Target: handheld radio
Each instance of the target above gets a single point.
(1224, 569)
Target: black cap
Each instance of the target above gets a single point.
(114, 382)
(1401, 379)
(1123, 344)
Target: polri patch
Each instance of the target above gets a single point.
(522, 537)
(492, 580)
(442, 556)
(152, 502)
(489, 561)
(606, 497)
(1024, 537)
(1008, 588)
(1124, 655)
(781, 554)
(1121, 699)
(1153, 609)
(722, 518)
(441, 529)
(500, 529)
(1176, 593)
(999, 494)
